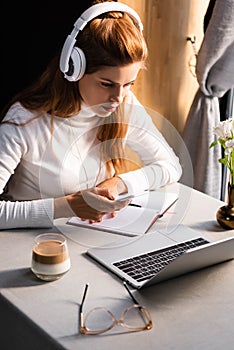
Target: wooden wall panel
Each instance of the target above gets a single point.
(168, 85)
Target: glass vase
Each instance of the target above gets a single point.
(225, 214)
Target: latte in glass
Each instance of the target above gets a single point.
(50, 256)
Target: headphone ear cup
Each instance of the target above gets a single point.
(77, 65)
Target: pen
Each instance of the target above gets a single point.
(134, 205)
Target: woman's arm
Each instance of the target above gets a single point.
(19, 214)
(27, 207)
(161, 165)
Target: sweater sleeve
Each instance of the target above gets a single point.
(23, 213)
(35, 213)
(161, 166)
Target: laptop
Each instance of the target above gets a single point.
(159, 256)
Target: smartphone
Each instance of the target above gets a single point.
(124, 197)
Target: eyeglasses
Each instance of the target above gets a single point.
(100, 320)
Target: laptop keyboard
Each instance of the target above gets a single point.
(145, 266)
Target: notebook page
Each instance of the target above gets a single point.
(128, 221)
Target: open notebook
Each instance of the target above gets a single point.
(136, 218)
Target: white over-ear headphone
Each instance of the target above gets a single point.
(72, 59)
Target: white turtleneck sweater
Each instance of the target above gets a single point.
(36, 167)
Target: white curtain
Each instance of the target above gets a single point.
(215, 75)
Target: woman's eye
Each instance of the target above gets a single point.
(110, 85)
(130, 84)
(106, 84)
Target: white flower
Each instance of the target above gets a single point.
(229, 143)
(224, 133)
(224, 129)
(228, 151)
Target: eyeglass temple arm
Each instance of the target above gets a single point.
(81, 309)
(145, 317)
(131, 295)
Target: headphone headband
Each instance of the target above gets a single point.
(104, 7)
(68, 50)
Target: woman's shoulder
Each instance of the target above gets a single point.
(18, 114)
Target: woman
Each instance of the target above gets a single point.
(63, 141)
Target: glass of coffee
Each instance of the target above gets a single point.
(50, 256)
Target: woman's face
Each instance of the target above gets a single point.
(105, 89)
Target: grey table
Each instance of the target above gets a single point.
(194, 311)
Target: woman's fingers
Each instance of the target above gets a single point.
(96, 200)
(94, 203)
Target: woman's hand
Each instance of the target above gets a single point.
(89, 204)
(114, 185)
